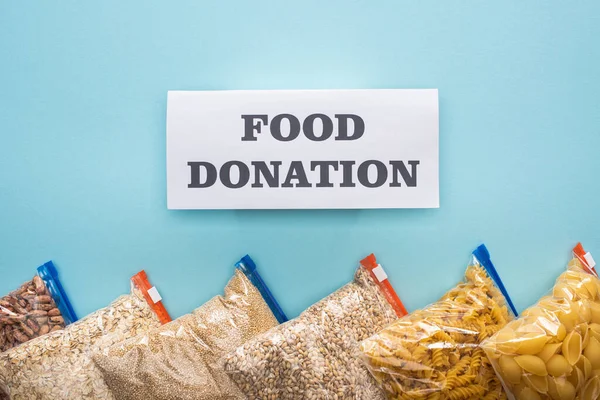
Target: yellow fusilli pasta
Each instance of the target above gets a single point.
(434, 353)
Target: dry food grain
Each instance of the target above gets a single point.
(32, 309)
(315, 356)
(552, 352)
(435, 352)
(59, 365)
(181, 360)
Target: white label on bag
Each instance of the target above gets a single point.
(154, 295)
(590, 260)
(302, 149)
(379, 273)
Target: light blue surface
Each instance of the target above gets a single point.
(82, 153)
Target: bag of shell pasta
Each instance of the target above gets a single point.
(553, 350)
(59, 365)
(435, 353)
(37, 307)
(315, 355)
(180, 360)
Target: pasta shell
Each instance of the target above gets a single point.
(532, 364)
(591, 287)
(591, 391)
(585, 313)
(570, 317)
(558, 365)
(506, 341)
(592, 353)
(528, 394)
(571, 347)
(549, 350)
(595, 330)
(585, 335)
(586, 366)
(561, 332)
(595, 310)
(565, 389)
(576, 378)
(563, 291)
(537, 383)
(532, 343)
(550, 304)
(552, 390)
(510, 369)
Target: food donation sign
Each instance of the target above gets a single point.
(302, 149)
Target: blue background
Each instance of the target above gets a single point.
(82, 153)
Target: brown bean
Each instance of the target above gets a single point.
(19, 309)
(54, 312)
(38, 313)
(44, 299)
(46, 307)
(44, 329)
(27, 330)
(56, 328)
(40, 287)
(20, 336)
(57, 320)
(33, 325)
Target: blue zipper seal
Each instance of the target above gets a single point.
(483, 256)
(248, 267)
(49, 275)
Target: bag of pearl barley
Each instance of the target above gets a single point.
(553, 350)
(181, 360)
(315, 355)
(58, 365)
(435, 353)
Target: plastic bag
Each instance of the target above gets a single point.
(553, 350)
(315, 355)
(59, 365)
(39, 306)
(434, 353)
(180, 360)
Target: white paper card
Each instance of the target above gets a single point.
(302, 149)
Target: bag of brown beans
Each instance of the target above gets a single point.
(37, 307)
(316, 356)
(182, 360)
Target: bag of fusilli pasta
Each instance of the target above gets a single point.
(553, 350)
(435, 353)
(315, 356)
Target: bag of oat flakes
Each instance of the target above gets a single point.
(181, 360)
(315, 356)
(37, 307)
(59, 364)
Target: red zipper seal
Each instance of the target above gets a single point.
(140, 280)
(381, 279)
(586, 258)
